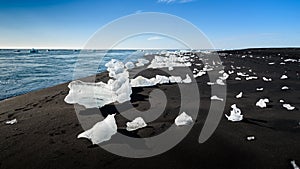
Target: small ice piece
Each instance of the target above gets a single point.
(285, 88)
(250, 138)
(230, 72)
(238, 78)
(283, 77)
(183, 119)
(175, 79)
(129, 65)
(220, 82)
(262, 103)
(142, 62)
(235, 114)
(295, 166)
(259, 89)
(141, 81)
(210, 83)
(251, 77)
(137, 123)
(288, 106)
(187, 79)
(225, 76)
(281, 101)
(242, 74)
(290, 60)
(200, 73)
(10, 122)
(101, 131)
(239, 95)
(266, 79)
(216, 98)
(271, 63)
(161, 79)
(221, 71)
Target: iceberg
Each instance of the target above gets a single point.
(137, 123)
(235, 114)
(101, 131)
(183, 119)
(262, 103)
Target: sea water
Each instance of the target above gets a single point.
(23, 72)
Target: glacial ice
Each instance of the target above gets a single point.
(235, 114)
(137, 123)
(129, 65)
(183, 119)
(262, 103)
(101, 131)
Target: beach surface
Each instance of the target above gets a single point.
(45, 135)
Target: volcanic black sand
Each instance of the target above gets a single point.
(46, 133)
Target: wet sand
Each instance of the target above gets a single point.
(46, 133)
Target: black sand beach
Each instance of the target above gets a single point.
(46, 133)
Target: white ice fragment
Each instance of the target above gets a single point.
(242, 74)
(142, 62)
(238, 78)
(216, 98)
(281, 101)
(251, 77)
(161, 79)
(225, 76)
(175, 79)
(183, 119)
(187, 79)
(101, 131)
(230, 72)
(129, 65)
(284, 88)
(250, 138)
(266, 79)
(283, 77)
(10, 122)
(262, 103)
(210, 83)
(141, 81)
(259, 89)
(239, 95)
(235, 114)
(271, 63)
(290, 60)
(288, 106)
(220, 82)
(295, 166)
(137, 123)
(200, 73)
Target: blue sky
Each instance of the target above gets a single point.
(227, 23)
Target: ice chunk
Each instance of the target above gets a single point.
(295, 166)
(183, 119)
(141, 81)
(101, 131)
(210, 83)
(281, 101)
(161, 79)
(266, 79)
(271, 63)
(129, 65)
(262, 103)
(239, 95)
(137, 123)
(242, 74)
(283, 77)
(10, 122)
(251, 77)
(238, 78)
(187, 79)
(290, 60)
(288, 106)
(284, 88)
(235, 114)
(249, 138)
(216, 98)
(200, 73)
(230, 72)
(175, 79)
(259, 89)
(225, 76)
(220, 82)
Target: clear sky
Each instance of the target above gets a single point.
(227, 23)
